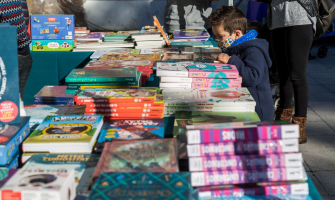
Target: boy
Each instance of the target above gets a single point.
(249, 55)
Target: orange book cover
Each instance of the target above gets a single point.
(156, 23)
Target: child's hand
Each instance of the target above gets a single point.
(224, 58)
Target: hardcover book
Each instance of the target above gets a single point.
(147, 155)
(40, 184)
(102, 75)
(53, 93)
(82, 164)
(190, 33)
(9, 76)
(229, 72)
(144, 186)
(111, 56)
(65, 134)
(11, 137)
(55, 102)
(120, 63)
(132, 129)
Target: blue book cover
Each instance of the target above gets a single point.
(270, 197)
(143, 186)
(56, 102)
(9, 76)
(13, 164)
(132, 129)
(11, 136)
(193, 44)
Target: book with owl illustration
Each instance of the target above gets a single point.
(65, 134)
(83, 165)
(101, 75)
(11, 136)
(144, 186)
(111, 56)
(146, 155)
(38, 113)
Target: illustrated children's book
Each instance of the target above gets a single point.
(102, 75)
(52, 45)
(144, 186)
(173, 68)
(132, 129)
(100, 52)
(213, 71)
(83, 165)
(111, 56)
(11, 137)
(13, 163)
(40, 184)
(53, 93)
(9, 76)
(65, 134)
(147, 155)
(120, 63)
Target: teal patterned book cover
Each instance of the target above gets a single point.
(143, 186)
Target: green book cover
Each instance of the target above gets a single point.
(102, 75)
(127, 83)
(184, 118)
(143, 186)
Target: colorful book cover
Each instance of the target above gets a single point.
(243, 162)
(11, 137)
(100, 52)
(159, 51)
(82, 164)
(239, 131)
(13, 163)
(260, 147)
(218, 81)
(53, 93)
(120, 63)
(144, 186)
(132, 129)
(200, 50)
(269, 189)
(190, 33)
(216, 85)
(65, 134)
(132, 115)
(205, 66)
(89, 37)
(146, 155)
(230, 72)
(177, 57)
(125, 110)
(9, 78)
(38, 113)
(246, 176)
(172, 69)
(192, 44)
(102, 75)
(116, 96)
(262, 197)
(110, 56)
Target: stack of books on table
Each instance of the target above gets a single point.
(192, 34)
(112, 77)
(90, 37)
(54, 95)
(148, 40)
(209, 100)
(122, 103)
(119, 36)
(94, 46)
(260, 154)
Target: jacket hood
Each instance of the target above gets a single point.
(261, 44)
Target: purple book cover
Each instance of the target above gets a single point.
(190, 33)
(90, 36)
(52, 93)
(6, 175)
(222, 163)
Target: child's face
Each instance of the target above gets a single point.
(222, 35)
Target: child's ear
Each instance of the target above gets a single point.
(238, 34)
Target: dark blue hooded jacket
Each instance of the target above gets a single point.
(253, 62)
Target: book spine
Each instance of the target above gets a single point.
(99, 79)
(211, 104)
(245, 176)
(132, 115)
(172, 73)
(216, 75)
(213, 135)
(223, 80)
(260, 147)
(54, 102)
(114, 100)
(175, 80)
(223, 163)
(124, 110)
(273, 189)
(215, 85)
(175, 85)
(123, 105)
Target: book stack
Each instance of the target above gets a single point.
(113, 77)
(148, 40)
(94, 46)
(119, 36)
(209, 100)
(90, 37)
(245, 153)
(54, 95)
(191, 34)
(122, 103)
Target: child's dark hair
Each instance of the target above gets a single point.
(230, 18)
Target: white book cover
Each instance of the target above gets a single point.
(175, 80)
(174, 69)
(173, 85)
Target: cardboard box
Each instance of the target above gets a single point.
(52, 45)
(52, 27)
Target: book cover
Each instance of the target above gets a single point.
(132, 115)
(125, 110)
(89, 37)
(177, 57)
(205, 66)
(38, 113)
(6, 175)
(120, 63)
(190, 33)
(210, 108)
(217, 81)
(200, 50)
(269, 189)
(65, 134)
(260, 147)
(239, 131)
(39, 184)
(230, 72)
(244, 162)
(11, 137)
(192, 44)
(82, 164)
(13, 163)
(146, 155)
(172, 69)
(175, 80)
(102, 75)
(217, 97)
(216, 85)
(99, 95)
(204, 57)
(144, 186)
(159, 51)
(100, 52)
(55, 102)
(53, 93)
(246, 176)
(132, 129)
(9, 76)
(110, 56)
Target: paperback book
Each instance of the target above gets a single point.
(175, 80)
(53, 93)
(230, 72)
(100, 52)
(175, 85)
(65, 134)
(142, 64)
(147, 155)
(216, 85)
(190, 33)
(125, 110)
(172, 69)
(111, 56)
(55, 102)
(193, 44)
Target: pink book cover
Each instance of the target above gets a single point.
(215, 73)
(216, 85)
(223, 80)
